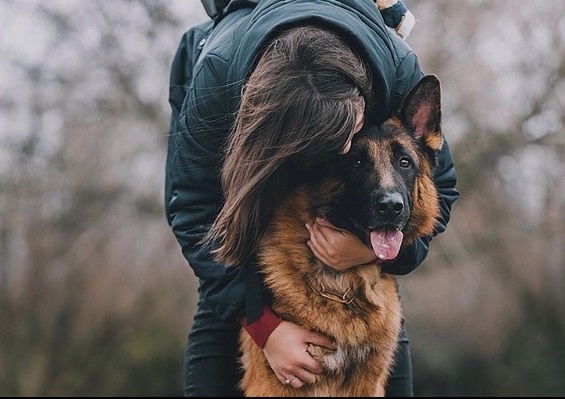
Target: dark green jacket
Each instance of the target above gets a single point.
(208, 71)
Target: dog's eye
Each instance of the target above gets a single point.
(356, 163)
(404, 162)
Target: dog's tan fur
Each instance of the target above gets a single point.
(366, 329)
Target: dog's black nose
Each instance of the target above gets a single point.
(390, 204)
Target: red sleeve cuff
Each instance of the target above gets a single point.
(261, 328)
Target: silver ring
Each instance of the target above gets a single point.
(288, 381)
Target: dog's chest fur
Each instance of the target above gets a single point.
(359, 309)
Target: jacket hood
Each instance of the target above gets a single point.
(358, 21)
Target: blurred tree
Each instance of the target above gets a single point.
(96, 298)
(490, 297)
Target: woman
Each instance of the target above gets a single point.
(257, 94)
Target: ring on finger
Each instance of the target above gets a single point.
(289, 380)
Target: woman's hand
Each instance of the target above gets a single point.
(337, 248)
(285, 350)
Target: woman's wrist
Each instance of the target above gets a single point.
(260, 329)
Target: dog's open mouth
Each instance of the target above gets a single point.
(386, 242)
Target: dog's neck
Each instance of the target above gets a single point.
(345, 286)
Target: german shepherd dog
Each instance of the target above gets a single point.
(382, 191)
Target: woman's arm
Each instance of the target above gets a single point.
(192, 188)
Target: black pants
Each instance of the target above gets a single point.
(211, 366)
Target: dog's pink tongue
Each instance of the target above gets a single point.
(386, 243)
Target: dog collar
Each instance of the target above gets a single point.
(346, 298)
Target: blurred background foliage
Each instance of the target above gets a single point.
(95, 296)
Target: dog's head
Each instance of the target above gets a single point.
(388, 197)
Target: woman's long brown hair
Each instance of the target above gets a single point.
(298, 106)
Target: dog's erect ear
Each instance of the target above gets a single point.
(421, 111)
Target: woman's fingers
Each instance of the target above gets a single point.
(285, 350)
(318, 243)
(335, 247)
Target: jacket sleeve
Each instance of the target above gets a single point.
(179, 81)
(192, 187)
(445, 179)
